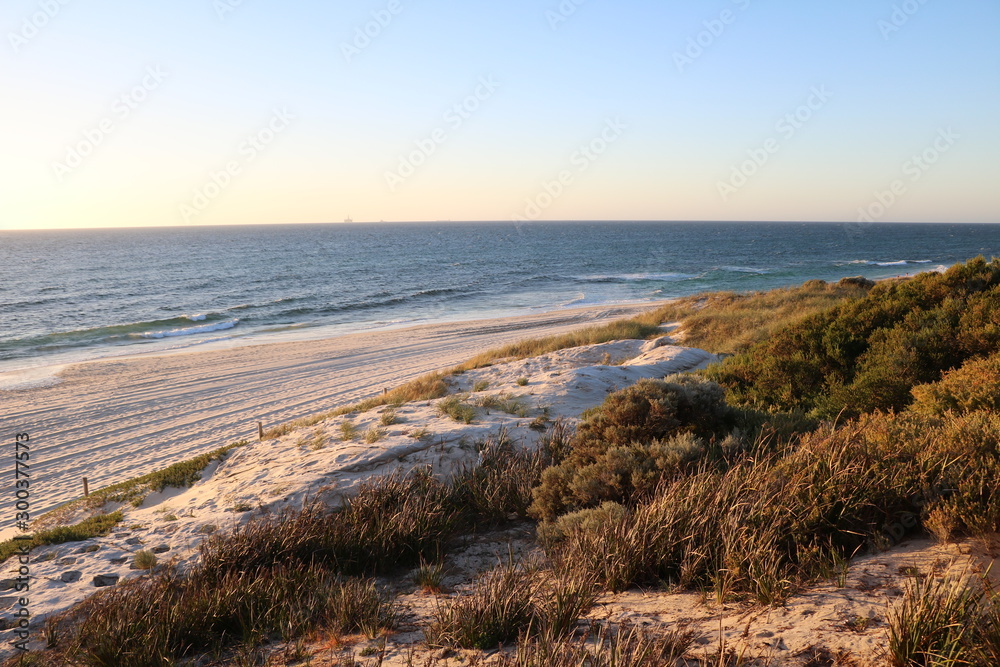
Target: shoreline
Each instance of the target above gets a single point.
(27, 373)
(117, 418)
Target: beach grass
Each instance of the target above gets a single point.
(95, 526)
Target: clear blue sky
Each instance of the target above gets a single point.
(671, 127)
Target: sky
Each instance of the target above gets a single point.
(209, 112)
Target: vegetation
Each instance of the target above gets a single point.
(288, 575)
(155, 621)
(510, 601)
(850, 417)
(948, 621)
(640, 435)
(869, 353)
(454, 407)
(95, 526)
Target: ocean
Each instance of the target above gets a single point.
(68, 296)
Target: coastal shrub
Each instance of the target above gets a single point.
(730, 322)
(768, 522)
(639, 435)
(720, 322)
(973, 386)
(868, 353)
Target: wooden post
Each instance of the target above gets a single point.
(86, 488)
(260, 430)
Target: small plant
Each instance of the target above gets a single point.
(430, 576)
(522, 382)
(859, 623)
(454, 407)
(170, 517)
(242, 506)
(348, 430)
(420, 433)
(388, 418)
(480, 385)
(207, 529)
(145, 560)
(499, 608)
(316, 441)
(374, 434)
(51, 632)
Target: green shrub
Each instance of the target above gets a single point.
(640, 435)
(868, 353)
(973, 386)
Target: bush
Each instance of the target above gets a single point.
(973, 386)
(867, 354)
(767, 523)
(639, 436)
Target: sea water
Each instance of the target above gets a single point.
(68, 296)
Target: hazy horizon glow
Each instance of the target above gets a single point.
(209, 112)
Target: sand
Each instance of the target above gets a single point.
(115, 419)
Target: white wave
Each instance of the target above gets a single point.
(640, 276)
(191, 331)
(901, 262)
(195, 318)
(744, 269)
